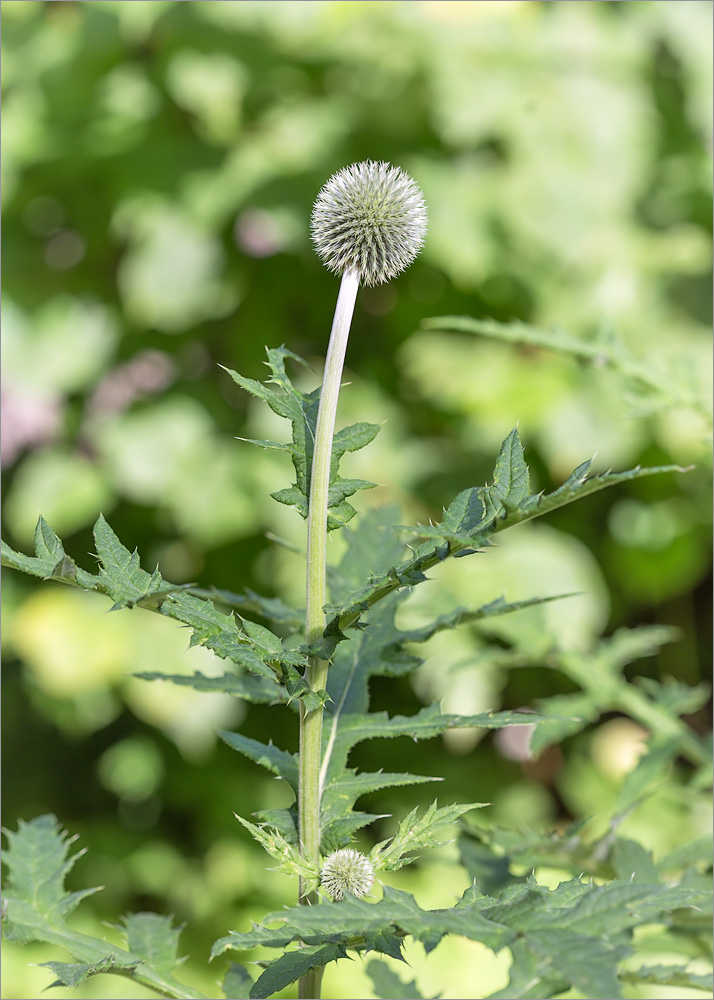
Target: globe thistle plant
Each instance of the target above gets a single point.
(368, 224)
(346, 872)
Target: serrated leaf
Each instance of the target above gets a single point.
(531, 977)
(36, 905)
(552, 932)
(237, 983)
(587, 963)
(489, 852)
(570, 714)
(345, 731)
(38, 861)
(152, 937)
(283, 820)
(301, 410)
(340, 795)
(120, 575)
(697, 852)
(286, 853)
(50, 560)
(257, 690)
(353, 919)
(662, 389)
(388, 986)
(649, 772)
(271, 608)
(338, 833)
(277, 761)
(416, 834)
(462, 616)
(74, 973)
(669, 975)
(474, 517)
(632, 862)
(608, 909)
(291, 966)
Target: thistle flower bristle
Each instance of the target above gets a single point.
(346, 872)
(369, 217)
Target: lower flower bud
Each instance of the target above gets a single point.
(346, 872)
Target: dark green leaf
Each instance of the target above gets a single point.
(291, 966)
(301, 410)
(631, 861)
(388, 986)
(278, 761)
(236, 983)
(250, 688)
(587, 963)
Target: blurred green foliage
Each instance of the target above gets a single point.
(160, 162)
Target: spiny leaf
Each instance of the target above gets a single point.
(532, 976)
(631, 861)
(270, 608)
(489, 852)
(257, 690)
(587, 963)
(36, 905)
(650, 771)
(664, 388)
(121, 578)
(152, 937)
(285, 821)
(50, 561)
(358, 923)
(597, 911)
(425, 724)
(462, 616)
(669, 975)
(237, 983)
(388, 986)
(301, 410)
(287, 854)
(340, 795)
(278, 761)
(347, 730)
(473, 518)
(338, 833)
(38, 861)
(120, 575)
(74, 973)
(415, 834)
(528, 918)
(291, 966)
(380, 649)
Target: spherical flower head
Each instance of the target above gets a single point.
(346, 871)
(369, 217)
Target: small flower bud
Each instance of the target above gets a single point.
(346, 871)
(369, 217)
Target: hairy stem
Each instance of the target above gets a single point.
(316, 596)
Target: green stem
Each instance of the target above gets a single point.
(316, 593)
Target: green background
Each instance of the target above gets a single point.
(160, 162)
